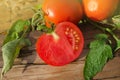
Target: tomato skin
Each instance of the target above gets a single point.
(57, 11)
(55, 48)
(99, 10)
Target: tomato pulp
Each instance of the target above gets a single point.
(62, 46)
(57, 11)
(98, 10)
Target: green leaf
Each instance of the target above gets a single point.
(16, 30)
(101, 37)
(116, 21)
(116, 39)
(118, 45)
(98, 55)
(14, 41)
(10, 51)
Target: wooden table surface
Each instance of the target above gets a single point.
(30, 67)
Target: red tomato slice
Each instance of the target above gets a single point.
(62, 46)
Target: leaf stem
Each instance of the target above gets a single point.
(96, 25)
(110, 31)
(25, 31)
(38, 18)
(104, 29)
(114, 36)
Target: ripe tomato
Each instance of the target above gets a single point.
(57, 11)
(98, 10)
(62, 46)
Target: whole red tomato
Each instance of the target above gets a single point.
(98, 10)
(57, 11)
(62, 46)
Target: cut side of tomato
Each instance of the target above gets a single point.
(62, 46)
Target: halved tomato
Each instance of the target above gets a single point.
(62, 46)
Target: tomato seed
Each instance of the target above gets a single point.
(74, 32)
(71, 30)
(76, 47)
(76, 35)
(76, 41)
(77, 38)
(66, 33)
(67, 29)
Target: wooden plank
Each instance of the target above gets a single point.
(73, 71)
(45, 72)
(114, 78)
(111, 69)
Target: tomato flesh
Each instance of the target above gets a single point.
(98, 10)
(62, 46)
(57, 11)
